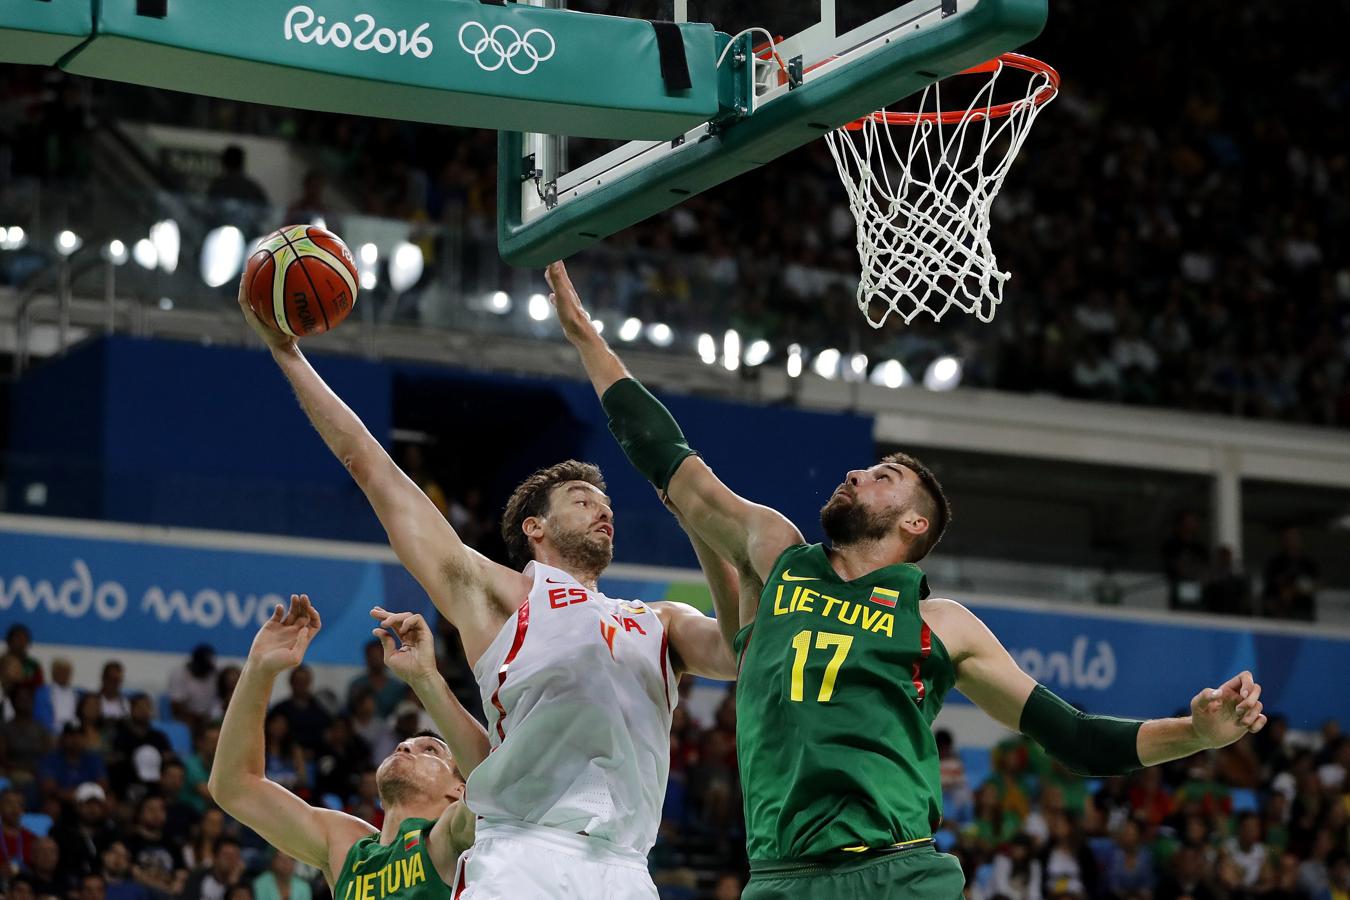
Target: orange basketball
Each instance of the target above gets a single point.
(301, 280)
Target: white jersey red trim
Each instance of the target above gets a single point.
(578, 691)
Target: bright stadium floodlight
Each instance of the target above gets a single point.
(500, 302)
(731, 350)
(145, 254)
(826, 363)
(115, 252)
(12, 238)
(630, 329)
(319, 222)
(167, 240)
(794, 361)
(943, 374)
(599, 326)
(222, 255)
(405, 266)
(890, 374)
(538, 307)
(369, 254)
(857, 365)
(165, 303)
(67, 242)
(369, 279)
(757, 352)
(707, 349)
(659, 333)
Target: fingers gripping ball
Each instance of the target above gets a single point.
(301, 280)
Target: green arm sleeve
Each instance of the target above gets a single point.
(648, 434)
(1095, 746)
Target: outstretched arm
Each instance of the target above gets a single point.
(749, 536)
(458, 580)
(320, 837)
(1089, 745)
(415, 663)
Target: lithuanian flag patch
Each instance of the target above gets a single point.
(411, 839)
(884, 596)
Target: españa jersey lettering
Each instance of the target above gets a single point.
(578, 691)
(401, 870)
(839, 685)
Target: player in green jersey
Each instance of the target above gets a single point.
(426, 826)
(845, 660)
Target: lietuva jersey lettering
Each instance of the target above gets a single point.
(840, 681)
(401, 869)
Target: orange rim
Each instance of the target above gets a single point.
(956, 116)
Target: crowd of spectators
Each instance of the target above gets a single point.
(1201, 580)
(102, 800)
(1175, 226)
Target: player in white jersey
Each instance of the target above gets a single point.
(579, 688)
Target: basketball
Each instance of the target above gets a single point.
(301, 280)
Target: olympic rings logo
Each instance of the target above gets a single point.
(503, 45)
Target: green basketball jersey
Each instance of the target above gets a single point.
(403, 869)
(839, 683)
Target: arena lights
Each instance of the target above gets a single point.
(12, 238)
(499, 302)
(659, 333)
(67, 242)
(369, 255)
(405, 266)
(757, 352)
(599, 326)
(890, 374)
(145, 254)
(707, 349)
(630, 329)
(538, 307)
(857, 367)
(794, 361)
(731, 350)
(320, 222)
(369, 279)
(222, 255)
(165, 303)
(943, 374)
(826, 363)
(115, 252)
(167, 240)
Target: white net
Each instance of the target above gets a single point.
(921, 186)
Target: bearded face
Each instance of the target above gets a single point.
(846, 521)
(584, 550)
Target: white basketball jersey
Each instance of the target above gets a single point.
(578, 691)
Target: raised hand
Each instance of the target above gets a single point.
(575, 321)
(274, 339)
(282, 641)
(415, 660)
(1227, 713)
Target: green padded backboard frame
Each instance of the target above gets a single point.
(573, 213)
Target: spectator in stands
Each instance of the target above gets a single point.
(118, 875)
(343, 755)
(469, 518)
(192, 688)
(57, 700)
(377, 681)
(310, 206)
(11, 678)
(83, 834)
(957, 797)
(1247, 851)
(198, 767)
(1129, 871)
(227, 678)
(279, 882)
(307, 718)
(18, 639)
(201, 849)
(1339, 881)
(1189, 877)
(180, 814)
(1314, 873)
(138, 748)
(89, 716)
(16, 841)
(1016, 872)
(233, 182)
(1185, 561)
(92, 887)
(215, 881)
(369, 725)
(70, 765)
(115, 704)
(23, 740)
(413, 464)
(50, 877)
(284, 758)
(1290, 589)
(155, 853)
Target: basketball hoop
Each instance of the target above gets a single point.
(922, 202)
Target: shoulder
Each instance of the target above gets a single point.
(956, 625)
(668, 610)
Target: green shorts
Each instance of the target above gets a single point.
(918, 874)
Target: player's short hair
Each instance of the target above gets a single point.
(933, 505)
(531, 499)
